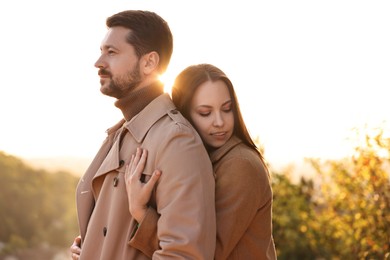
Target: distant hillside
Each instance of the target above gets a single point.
(77, 166)
(74, 165)
(37, 209)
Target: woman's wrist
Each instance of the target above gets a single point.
(139, 214)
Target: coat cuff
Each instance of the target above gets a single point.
(145, 234)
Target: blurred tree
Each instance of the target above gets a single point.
(63, 224)
(36, 207)
(343, 212)
(354, 202)
(292, 217)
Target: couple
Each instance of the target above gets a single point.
(157, 187)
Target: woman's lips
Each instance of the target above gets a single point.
(219, 135)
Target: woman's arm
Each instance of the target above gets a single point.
(145, 236)
(243, 206)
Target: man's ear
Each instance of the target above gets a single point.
(150, 62)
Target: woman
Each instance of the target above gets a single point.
(206, 97)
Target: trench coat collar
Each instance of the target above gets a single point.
(216, 155)
(110, 131)
(140, 124)
(138, 127)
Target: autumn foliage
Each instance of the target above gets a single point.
(341, 213)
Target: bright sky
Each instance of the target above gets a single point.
(305, 72)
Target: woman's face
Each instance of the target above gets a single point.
(212, 114)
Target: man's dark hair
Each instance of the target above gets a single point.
(149, 32)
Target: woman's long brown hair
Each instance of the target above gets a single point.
(188, 81)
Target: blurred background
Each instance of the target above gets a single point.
(311, 79)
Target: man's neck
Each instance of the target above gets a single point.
(137, 100)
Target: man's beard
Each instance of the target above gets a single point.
(123, 85)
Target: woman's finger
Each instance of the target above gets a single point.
(75, 248)
(152, 182)
(134, 161)
(141, 164)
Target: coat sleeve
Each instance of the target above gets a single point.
(145, 235)
(185, 198)
(242, 190)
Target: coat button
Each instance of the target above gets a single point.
(121, 163)
(174, 111)
(104, 231)
(116, 180)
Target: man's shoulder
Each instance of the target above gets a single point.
(159, 116)
(178, 118)
(174, 123)
(164, 106)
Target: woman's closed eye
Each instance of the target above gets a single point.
(204, 114)
(227, 108)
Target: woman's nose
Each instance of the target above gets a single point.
(218, 120)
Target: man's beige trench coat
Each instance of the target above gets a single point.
(184, 195)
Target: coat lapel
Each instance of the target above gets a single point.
(111, 162)
(85, 199)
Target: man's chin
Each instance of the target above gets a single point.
(106, 91)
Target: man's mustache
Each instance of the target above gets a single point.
(103, 72)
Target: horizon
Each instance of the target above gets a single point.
(78, 165)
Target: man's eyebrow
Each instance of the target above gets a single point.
(108, 46)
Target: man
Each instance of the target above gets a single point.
(135, 51)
